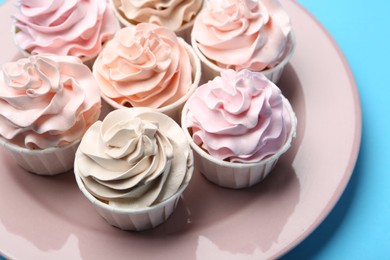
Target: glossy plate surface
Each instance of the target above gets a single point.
(48, 217)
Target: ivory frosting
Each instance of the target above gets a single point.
(168, 13)
(135, 158)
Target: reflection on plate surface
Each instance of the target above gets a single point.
(48, 217)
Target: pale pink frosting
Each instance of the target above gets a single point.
(239, 117)
(64, 27)
(169, 13)
(144, 65)
(47, 101)
(237, 34)
(135, 158)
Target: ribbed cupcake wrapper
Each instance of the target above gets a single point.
(49, 161)
(234, 178)
(210, 70)
(137, 219)
(236, 175)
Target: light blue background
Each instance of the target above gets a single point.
(359, 225)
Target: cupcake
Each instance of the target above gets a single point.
(238, 126)
(243, 34)
(133, 167)
(176, 15)
(147, 66)
(64, 27)
(47, 102)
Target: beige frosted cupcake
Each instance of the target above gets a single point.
(64, 27)
(47, 102)
(133, 167)
(147, 66)
(237, 34)
(176, 15)
(238, 126)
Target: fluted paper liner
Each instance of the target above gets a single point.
(210, 70)
(174, 110)
(50, 161)
(236, 175)
(137, 219)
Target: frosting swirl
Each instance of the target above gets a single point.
(168, 13)
(144, 65)
(47, 101)
(64, 27)
(135, 158)
(240, 34)
(239, 117)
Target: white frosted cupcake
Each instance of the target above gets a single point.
(238, 34)
(147, 66)
(47, 102)
(133, 167)
(64, 27)
(238, 126)
(177, 15)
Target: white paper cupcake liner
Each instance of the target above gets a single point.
(210, 70)
(236, 175)
(174, 110)
(50, 161)
(184, 31)
(136, 219)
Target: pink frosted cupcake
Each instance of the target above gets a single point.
(176, 15)
(47, 102)
(64, 27)
(243, 34)
(133, 167)
(147, 66)
(238, 125)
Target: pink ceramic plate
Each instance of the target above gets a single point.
(48, 217)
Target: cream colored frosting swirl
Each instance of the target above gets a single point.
(239, 34)
(47, 101)
(168, 13)
(135, 158)
(64, 27)
(239, 117)
(144, 65)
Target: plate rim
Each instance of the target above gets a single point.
(339, 191)
(355, 149)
